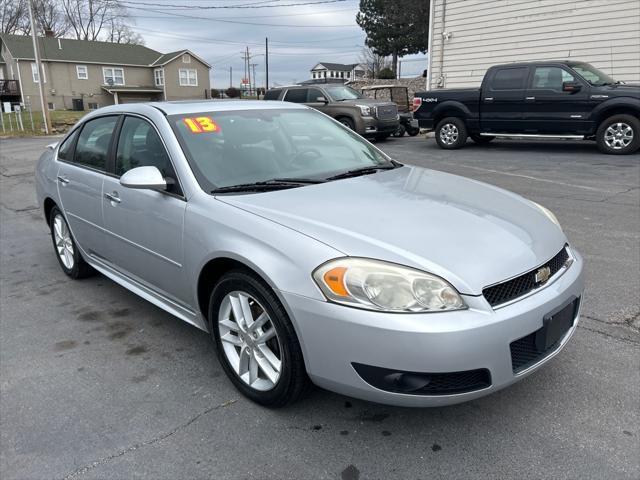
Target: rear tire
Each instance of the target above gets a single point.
(451, 133)
(619, 135)
(65, 247)
(269, 372)
(481, 140)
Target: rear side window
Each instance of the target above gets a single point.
(93, 142)
(65, 152)
(298, 95)
(510, 79)
(272, 95)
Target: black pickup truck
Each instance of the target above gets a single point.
(566, 99)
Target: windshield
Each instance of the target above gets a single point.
(592, 75)
(341, 93)
(238, 147)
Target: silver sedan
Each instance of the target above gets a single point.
(309, 255)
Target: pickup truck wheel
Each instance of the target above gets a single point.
(481, 140)
(619, 135)
(451, 133)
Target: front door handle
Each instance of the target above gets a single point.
(113, 197)
(488, 99)
(63, 180)
(530, 99)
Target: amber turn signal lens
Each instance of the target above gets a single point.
(334, 279)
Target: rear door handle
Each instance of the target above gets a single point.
(63, 180)
(530, 99)
(113, 197)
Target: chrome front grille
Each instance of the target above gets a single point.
(387, 112)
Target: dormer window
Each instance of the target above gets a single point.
(186, 58)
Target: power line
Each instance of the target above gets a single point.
(246, 5)
(306, 14)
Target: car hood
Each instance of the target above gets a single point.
(468, 232)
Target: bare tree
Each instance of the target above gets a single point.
(14, 16)
(373, 62)
(88, 19)
(119, 32)
(50, 17)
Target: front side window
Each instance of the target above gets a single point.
(188, 77)
(93, 143)
(113, 75)
(510, 79)
(34, 74)
(65, 152)
(340, 93)
(139, 145)
(551, 78)
(237, 147)
(158, 75)
(298, 95)
(313, 95)
(82, 72)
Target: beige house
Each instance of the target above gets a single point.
(83, 75)
(467, 37)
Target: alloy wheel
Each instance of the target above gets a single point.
(250, 341)
(64, 243)
(449, 134)
(618, 136)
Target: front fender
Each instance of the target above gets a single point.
(451, 108)
(616, 103)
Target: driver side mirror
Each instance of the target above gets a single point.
(322, 99)
(571, 87)
(148, 178)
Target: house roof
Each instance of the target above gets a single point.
(340, 67)
(167, 57)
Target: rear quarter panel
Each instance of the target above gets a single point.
(45, 177)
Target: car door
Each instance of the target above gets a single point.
(552, 109)
(82, 169)
(144, 227)
(502, 100)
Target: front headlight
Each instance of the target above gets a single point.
(378, 285)
(365, 110)
(550, 215)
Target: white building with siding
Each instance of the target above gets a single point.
(468, 36)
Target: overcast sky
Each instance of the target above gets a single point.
(299, 35)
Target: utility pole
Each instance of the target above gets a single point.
(266, 63)
(249, 69)
(230, 77)
(36, 52)
(255, 83)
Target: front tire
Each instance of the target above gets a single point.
(66, 249)
(347, 122)
(413, 131)
(399, 131)
(257, 345)
(619, 135)
(451, 133)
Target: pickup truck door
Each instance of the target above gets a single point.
(557, 102)
(502, 100)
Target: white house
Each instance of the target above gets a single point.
(468, 37)
(325, 71)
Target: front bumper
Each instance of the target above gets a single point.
(334, 337)
(371, 126)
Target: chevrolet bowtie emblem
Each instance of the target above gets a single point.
(542, 275)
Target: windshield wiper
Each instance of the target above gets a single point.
(266, 185)
(364, 171)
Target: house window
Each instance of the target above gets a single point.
(158, 74)
(341, 74)
(348, 74)
(82, 72)
(113, 75)
(36, 77)
(93, 106)
(314, 74)
(186, 58)
(51, 106)
(188, 77)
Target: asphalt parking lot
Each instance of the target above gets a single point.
(98, 383)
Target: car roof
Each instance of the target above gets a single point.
(539, 62)
(195, 106)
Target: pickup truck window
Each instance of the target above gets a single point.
(551, 78)
(272, 95)
(593, 75)
(509, 79)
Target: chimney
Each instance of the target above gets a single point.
(59, 45)
(48, 32)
